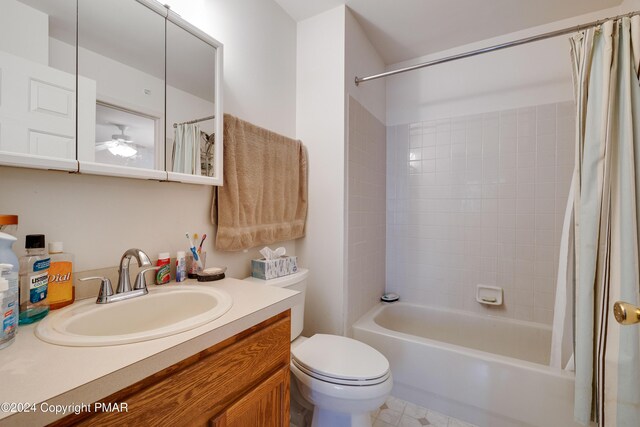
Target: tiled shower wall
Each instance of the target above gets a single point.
(366, 164)
(479, 200)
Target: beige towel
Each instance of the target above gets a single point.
(264, 196)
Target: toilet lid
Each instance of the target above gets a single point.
(340, 360)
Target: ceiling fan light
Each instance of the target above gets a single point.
(118, 149)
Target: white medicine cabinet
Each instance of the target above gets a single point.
(119, 88)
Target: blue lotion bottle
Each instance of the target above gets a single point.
(34, 279)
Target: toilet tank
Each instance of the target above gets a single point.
(295, 282)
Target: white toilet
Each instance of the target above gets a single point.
(342, 378)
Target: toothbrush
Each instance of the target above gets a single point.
(201, 242)
(192, 247)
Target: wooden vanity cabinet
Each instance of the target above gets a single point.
(242, 381)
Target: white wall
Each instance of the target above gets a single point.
(363, 59)
(366, 213)
(98, 218)
(259, 57)
(332, 47)
(320, 122)
(533, 74)
(364, 278)
(629, 6)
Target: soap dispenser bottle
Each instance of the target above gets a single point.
(34, 278)
(9, 271)
(61, 291)
(8, 308)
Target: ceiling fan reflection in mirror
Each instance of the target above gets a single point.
(120, 144)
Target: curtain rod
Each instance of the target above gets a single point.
(519, 42)
(190, 122)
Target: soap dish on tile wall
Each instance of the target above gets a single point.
(389, 297)
(489, 295)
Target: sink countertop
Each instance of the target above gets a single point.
(35, 372)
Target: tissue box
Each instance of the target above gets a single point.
(270, 269)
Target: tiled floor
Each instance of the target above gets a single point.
(398, 413)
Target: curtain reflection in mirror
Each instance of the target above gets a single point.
(186, 149)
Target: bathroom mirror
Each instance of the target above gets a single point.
(194, 111)
(96, 86)
(121, 88)
(38, 83)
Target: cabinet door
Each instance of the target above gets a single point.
(267, 405)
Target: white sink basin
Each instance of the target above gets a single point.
(164, 311)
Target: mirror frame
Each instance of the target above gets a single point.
(33, 161)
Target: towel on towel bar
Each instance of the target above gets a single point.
(264, 196)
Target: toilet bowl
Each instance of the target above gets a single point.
(342, 379)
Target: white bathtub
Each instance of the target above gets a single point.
(489, 371)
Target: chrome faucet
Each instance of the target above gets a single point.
(124, 283)
(124, 290)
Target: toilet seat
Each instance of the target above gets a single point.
(340, 360)
(341, 396)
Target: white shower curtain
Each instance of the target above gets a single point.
(562, 337)
(600, 243)
(186, 149)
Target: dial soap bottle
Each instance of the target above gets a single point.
(61, 291)
(34, 279)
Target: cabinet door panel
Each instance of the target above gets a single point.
(43, 144)
(266, 405)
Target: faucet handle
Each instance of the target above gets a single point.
(105, 289)
(141, 282)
